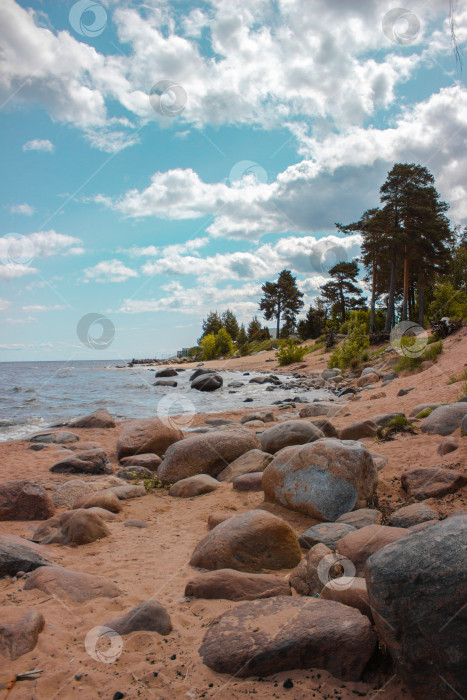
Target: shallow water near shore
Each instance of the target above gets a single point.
(35, 395)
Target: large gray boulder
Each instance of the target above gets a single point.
(324, 479)
(207, 382)
(417, 589)
(444, 420)
(17, 554)
(208, 453)
(291, 432)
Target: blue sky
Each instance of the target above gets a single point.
(161, 160)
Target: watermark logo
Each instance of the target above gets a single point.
(16, 249)
(335, 567)
(409, 339)
(176, 412)
(88, 323)
(168, 98)
(248, 168)
(401, 26)
(103, 644)
(88, 18)
(323, 257)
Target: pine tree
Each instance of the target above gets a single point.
(230, 323)
(314, 323)
(282, 299)
(337, 291)
(242, 337)
(254, 330)
(212, 324)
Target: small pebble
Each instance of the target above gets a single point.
(288, 683)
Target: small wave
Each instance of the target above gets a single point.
(16, 431)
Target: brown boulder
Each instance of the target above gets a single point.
(194, 486)
(24, 500)
(19, 631)
(248, 482)
(309, 577)
(358, 430)
(291, 432)
(250, 542)
(67, 493)
(127, 491)
(348, 590)
(148, 435)
(75, 585)
(86, 462)
(265, 416)
(208, 453)
(361, 517)
(323, 480)
(98, 419)
(251, 461)
(150, 616)
(214, 519)
(359, 545)
(150, 461)
(72, 527)
(17, 554)
(431, 482)
(447, 445)
(411, 515)
(326, 427)
(99, 499)
(228, 584)
(324, 533)
(366, 379)
(263, 637)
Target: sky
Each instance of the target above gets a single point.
(161, 160)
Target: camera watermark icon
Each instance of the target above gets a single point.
(401, 26)
(168, 98)
(88, 18)
(322, 258)
(103, 644)
(16, 249)
(96, 342)
(176, 412)
(248, 168)
(334, 567)
(409, 339)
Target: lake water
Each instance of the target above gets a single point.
(34, 395)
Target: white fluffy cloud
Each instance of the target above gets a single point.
(4, 304)
(24, 208)
(19, 253)
(109, 271)
(39, 145)
(38, 308)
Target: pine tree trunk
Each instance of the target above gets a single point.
(421, 297)
(342, 305)
(392, 292)
(406, 287)
(373, 297)
(278, 317)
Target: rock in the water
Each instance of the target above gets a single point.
(19, 631)
(228, 584)
(249, 542)
(150, 461)
(447, 445)
(99, 419)
(194, 486)
(207, 382)
(359, 545)
(361, 517)
(348, 590)
(207, 453)
(417, 588)
(17, 554)
(248, 482)
(167, 372)
(279, 634)
(323, 480)
(199, 372)
(166, 382)
(431, 482)
(148, 435)
(444, 420)
(311, 574)
(265, 416)
(150, 616)
(99, 499)
(251, 461)
(359, 429)
(291, 432)
(24, 500)
(324, 533)
(414, 514)
(129, 473)
(59, 437)
(75, 585)
(72, 527)
(86, 462)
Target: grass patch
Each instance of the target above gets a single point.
(398, 424)
(150, 483)
(289, 352)
(424, 414)
(413, 364)
(461, 378)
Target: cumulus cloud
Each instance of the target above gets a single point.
(109, 271)
(24, 208)
(39, 145)
(38, 308)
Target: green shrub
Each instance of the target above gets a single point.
(150, 482)
(397, 424)
(208, 346)
(354, 348)
(412, 364)
(448, 301)
(223, 343)
(290, 352)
